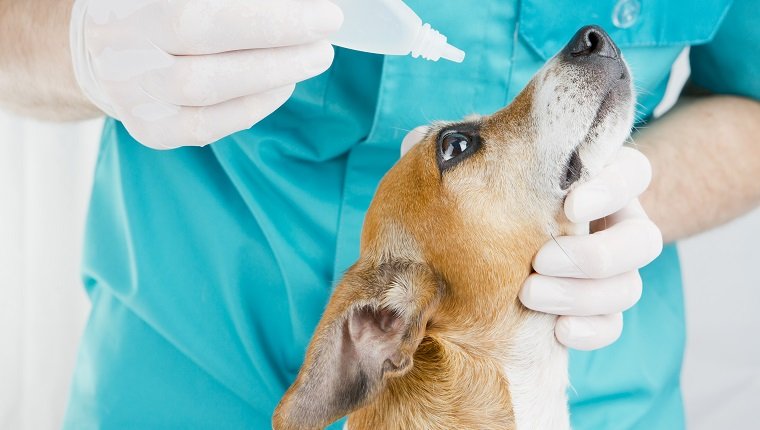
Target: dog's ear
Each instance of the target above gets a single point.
(369, 332)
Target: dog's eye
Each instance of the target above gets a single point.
(453, 144)
(456, 143)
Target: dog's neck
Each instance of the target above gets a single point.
(486, 361)
(534, 366)
(510, 373)
(538, 377)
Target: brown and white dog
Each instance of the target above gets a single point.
(426, 331)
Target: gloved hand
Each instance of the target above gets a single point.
(189, 72)
(590, 280)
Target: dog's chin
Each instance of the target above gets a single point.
(583, 113)
(609, 129)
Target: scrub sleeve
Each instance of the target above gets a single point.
(208, 268)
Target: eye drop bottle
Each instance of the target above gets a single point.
(390, 27)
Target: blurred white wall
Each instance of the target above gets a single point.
(45, 175)
(721, 374)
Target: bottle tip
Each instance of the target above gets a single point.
(452, 53)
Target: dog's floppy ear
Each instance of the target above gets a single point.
(369, 332)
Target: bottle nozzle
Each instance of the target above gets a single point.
(452, 53)
(431, 45)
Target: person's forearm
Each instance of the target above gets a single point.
(705, 155)
(36, 77)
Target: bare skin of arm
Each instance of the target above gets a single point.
(705, 156)
(36, 77)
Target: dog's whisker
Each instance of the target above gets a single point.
(428, 120)
(568, 255)
(570, 386)
(638, 116)
(405, 130)
(642, 90)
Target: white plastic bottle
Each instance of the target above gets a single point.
(390, 27)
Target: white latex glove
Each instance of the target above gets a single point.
(589, 280)
(189, 72)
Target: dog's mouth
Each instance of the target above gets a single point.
(605, 107)
(573, 170)
(574, 166)
(593, 55)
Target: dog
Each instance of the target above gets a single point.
(425, 330)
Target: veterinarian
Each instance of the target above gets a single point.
(208, 266)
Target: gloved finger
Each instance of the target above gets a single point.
(112, 72)
(413, 137)
(127, 59)
(624, 179)
(581, 297)
(630, 243)
(162, 126)
(198, 27)
(211, 79)
(588, 333)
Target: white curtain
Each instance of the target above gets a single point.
(45, 177)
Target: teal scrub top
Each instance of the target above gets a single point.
(208, 268)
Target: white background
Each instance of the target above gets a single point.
(45, 176)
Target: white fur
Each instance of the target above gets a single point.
(536, 367)
(565, 103)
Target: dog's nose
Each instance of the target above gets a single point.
(591, 41)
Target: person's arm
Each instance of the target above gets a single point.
(705, 156)
(36, 77)
(706, 151)
(175, 73)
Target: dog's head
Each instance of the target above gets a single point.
(455, 224)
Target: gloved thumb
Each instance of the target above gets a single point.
(413, 137)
